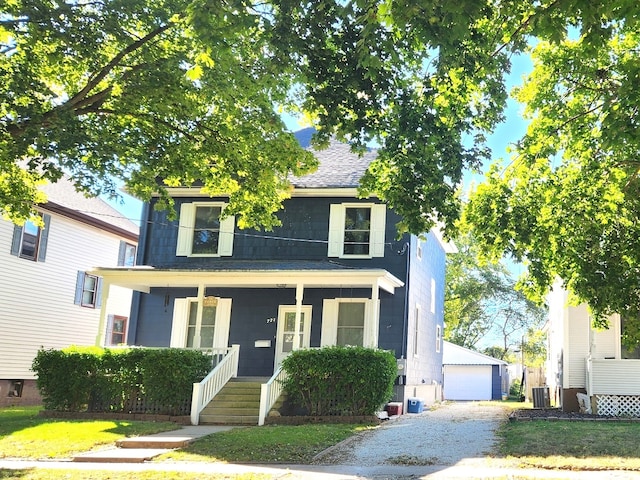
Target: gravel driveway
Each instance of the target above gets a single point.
(446, 434)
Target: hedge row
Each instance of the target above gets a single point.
(340, 380)
(136, 380)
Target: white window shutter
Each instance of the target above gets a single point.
(179, 324)
(378, 225)
(225, 246)
(329, 332)
(185, 229)
(371, 324)
(223, 320)
(336, 230)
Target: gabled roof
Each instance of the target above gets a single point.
(338, 167)
(63, 198)
(453, 354)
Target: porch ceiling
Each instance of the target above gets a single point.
(145, 278)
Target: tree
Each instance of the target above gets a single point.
(481, 302)
(568, 203)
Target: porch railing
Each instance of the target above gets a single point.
(269, 393)
(203, 392)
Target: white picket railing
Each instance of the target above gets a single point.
(269, 393)
(210, 385)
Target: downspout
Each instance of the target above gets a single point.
(141, 254)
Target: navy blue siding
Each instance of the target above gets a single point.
(302, 236)
(426, 367)
(496, 383)
(252, 315)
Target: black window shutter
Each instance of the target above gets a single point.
(15, 241)
(44, 237)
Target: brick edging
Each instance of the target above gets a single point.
(146, 417)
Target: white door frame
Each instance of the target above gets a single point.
(306, 330)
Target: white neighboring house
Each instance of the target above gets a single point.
(47, 300)
(583, 360)
(470, 375)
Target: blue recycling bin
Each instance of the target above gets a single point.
(414, 405)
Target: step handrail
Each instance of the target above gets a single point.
(270, 392)
(204, 391)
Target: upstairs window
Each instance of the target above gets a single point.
(357, 230)
(126, 254)
(202, 232)
(30, 241)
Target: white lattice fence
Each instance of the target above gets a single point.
(618, 405)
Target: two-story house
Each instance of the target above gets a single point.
(48, 299)
(334, 273)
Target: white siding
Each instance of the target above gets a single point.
(576, 352)
(615, 377)
(606, 342)
(37, 300)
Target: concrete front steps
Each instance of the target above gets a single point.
(141, 449)
(238, 403)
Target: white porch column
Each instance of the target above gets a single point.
(196, 338)
(296, 330)
(102, 324)
(375, 311)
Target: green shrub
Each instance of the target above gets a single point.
(136, 380)
(340, 380)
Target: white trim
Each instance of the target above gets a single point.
(186, 227)
(330, 309)
(144, 278)
(181, 318)
(347, 192)
(417, 313)
(377, 226)
(306, 340)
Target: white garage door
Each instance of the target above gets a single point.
(467, 382)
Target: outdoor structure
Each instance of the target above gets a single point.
(334, 273)
(589, 362)
(48, 299)
(470, 375)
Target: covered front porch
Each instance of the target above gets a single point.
(255, 316)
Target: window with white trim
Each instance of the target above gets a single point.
(349, 321)
(438, 338)
(416, 330)
(433, 296)
(357, 230)
(203, 232)
(30, 240)
(203, 326)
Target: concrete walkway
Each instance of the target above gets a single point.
(142, 449)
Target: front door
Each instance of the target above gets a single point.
(286, 331)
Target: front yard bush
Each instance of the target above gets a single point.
(136, 380)
(340, 380)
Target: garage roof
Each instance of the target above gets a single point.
(453, 354)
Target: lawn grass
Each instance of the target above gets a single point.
(24, 434)
(575, 445)
(267, 444)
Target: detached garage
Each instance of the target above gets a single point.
(470, 375)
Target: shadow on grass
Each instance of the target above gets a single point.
(9, 474)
